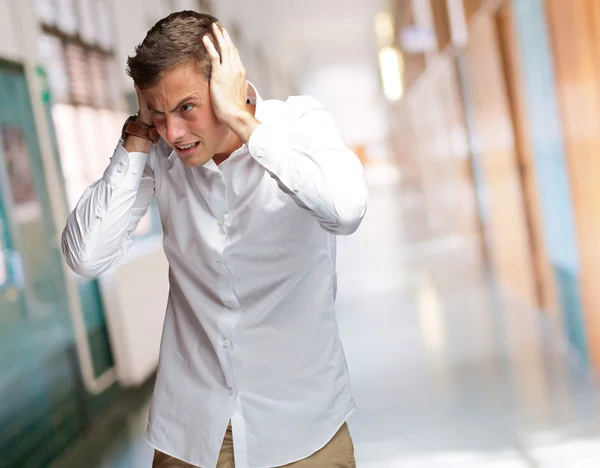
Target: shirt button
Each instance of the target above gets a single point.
(230, 304)
(226, 344)
(232, 391)
(219, 263)
(221, 222)
(120, 168)
(261, 153)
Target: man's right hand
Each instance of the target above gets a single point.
(134, 144)
(144, 115)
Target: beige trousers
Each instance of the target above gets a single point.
(338, 453)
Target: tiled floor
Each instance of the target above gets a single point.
(445, 373)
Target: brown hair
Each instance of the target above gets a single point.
(173, 41)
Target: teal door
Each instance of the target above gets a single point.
(42, 406)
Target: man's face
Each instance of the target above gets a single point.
(182, 112)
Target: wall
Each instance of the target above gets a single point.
(9, 44)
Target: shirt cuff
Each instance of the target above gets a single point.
(261, 144)
(125, 169)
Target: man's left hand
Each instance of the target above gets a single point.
(228, 86)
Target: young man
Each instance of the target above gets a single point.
(251, 195)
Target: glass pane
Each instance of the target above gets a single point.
(79, 73)
(87, 17)
(65, 121)
(27, 209)
(53, 57)
(18, 166)
(67, 16)
(46, 11)
(104, 26)
(111, 123)
(99, 74)
(115, 86)
(91, 135)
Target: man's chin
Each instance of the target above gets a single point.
(194, 160)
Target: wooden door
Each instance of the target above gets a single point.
(493, 135)
(576, 43)
(525, 161)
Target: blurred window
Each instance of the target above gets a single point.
(88, 102)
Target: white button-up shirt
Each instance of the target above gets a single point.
(250, 334)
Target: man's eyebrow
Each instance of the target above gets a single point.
(191, 96)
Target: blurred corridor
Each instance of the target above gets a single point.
(446, 374)
(468, 300)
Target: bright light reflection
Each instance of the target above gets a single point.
(390, 64)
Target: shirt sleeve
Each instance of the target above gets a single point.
(308, 158)
(98, 231)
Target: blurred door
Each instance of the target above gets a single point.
(39, 380)
(492, 135)
(540, 99)
(575, 35)
(525, 161)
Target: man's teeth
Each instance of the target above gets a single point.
(187, 147)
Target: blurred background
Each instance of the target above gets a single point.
(469, 299)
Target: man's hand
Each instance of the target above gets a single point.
(228, 86)
(144, 115)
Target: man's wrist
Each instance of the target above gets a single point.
(137, 135)
(243, 125)
(135, 144)
(144, 120)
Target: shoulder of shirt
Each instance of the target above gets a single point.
(292, 107)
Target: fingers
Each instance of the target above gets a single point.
(144, 113)
(234, 53)
(223, 44)
(212, 51)
(229, 53)
(230, 58)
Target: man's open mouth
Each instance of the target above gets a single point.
(187, 147)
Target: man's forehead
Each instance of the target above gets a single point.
(178, 81)
(170, 98)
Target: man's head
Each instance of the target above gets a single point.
(172, 69)
(174, 41)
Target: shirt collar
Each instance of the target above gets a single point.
(252, 92)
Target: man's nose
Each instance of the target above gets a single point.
(175, 129)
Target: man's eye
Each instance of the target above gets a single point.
(187, 107)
